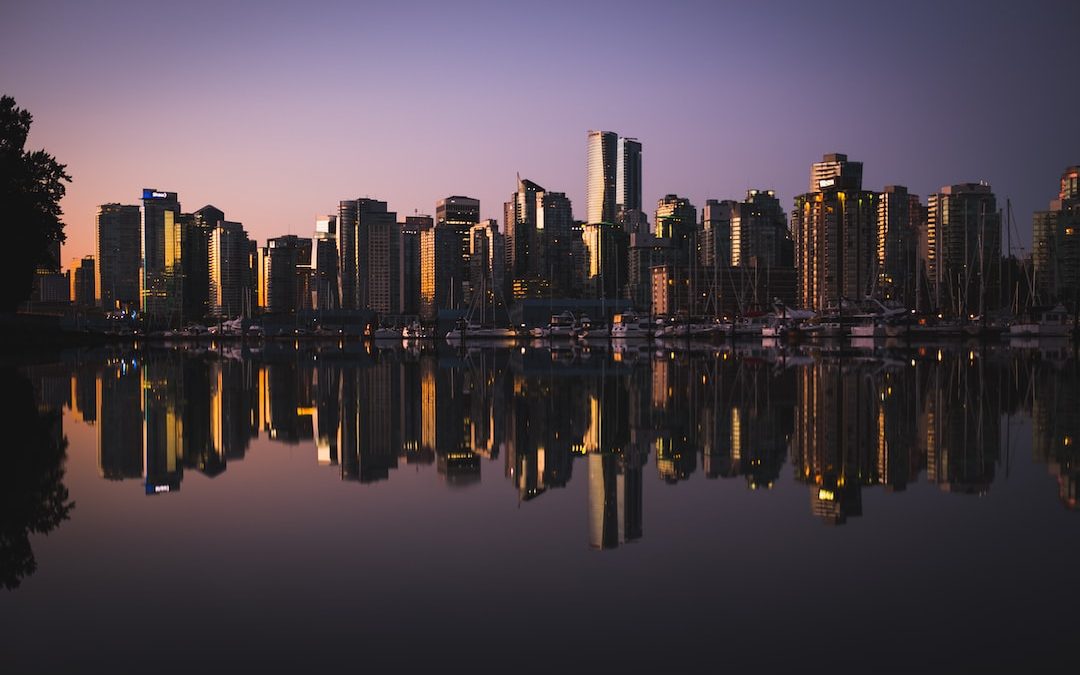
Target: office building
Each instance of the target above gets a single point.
(962, 249)
(834, 231)
(118, 252)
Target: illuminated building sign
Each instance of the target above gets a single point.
(826, 182)
(149, 193)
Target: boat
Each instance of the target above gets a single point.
(1052, 323)
(471, 330)
(630, 326)
(415, 331)
(560, 326)
(387, 333)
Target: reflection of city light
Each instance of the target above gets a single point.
(826, 495)
(1068, 441)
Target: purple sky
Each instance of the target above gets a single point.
(275, 111)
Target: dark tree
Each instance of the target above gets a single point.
(33, 498)
(31, 186)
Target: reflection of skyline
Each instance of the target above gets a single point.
(846, 424)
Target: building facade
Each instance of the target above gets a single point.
(963, 249)
(1056, 244)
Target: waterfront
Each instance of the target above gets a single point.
(525, 508)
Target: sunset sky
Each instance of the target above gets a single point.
(275, 111)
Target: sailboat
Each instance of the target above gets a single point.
(474, 327)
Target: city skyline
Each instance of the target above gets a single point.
(280, 168)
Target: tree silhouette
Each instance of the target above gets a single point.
(31, 187)
(33, 498)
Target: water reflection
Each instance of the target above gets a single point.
(846, 423)
(33, 498)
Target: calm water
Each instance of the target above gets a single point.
(520, 510)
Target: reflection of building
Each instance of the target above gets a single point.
(369, 432)
(1055, 430)
(119, 426)
(836, 418)
(958, 424)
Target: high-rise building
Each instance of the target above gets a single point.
(282, 274)
(325, 263)
(82, 283)
(520, 220)
(197, 296)
(230, 271)
(676, 221)
(412, 261)
(445, 255)
(369, 241)
(628, 175)
(962, 248)
(601, 170)
(759, 232)
(831, 167)
(834, 228)
(714, 241)
(1056, 244)
(606, 250)
(900, 220)
(486, 252)
(117, 255)
(158, 209)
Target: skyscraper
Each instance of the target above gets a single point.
(835, 235)
(445, 256)
(900, 220)
(676, 221)
(520, 224)
(486, 253)
(282, 275)
(1056, 244)
(118, 254)
(714, 245)
(601, 170)
(158, 209)
(759, 232)
(230, 281)
(324, 257)
(82, 283)
(411, 261)
(628, 175)
(369, 241)
(962, 248)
